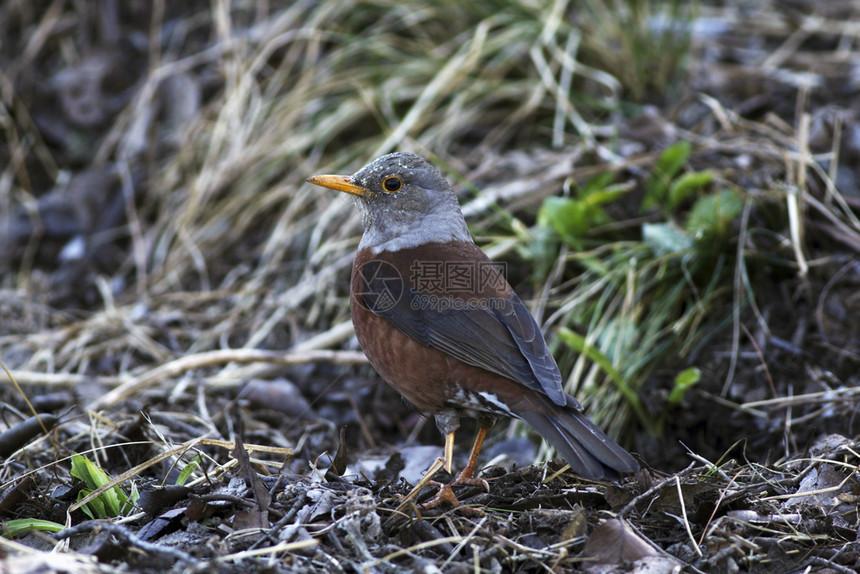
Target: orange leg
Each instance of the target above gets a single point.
(446, 494)
(449, 451)
(469, 470)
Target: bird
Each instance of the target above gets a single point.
(440, 323)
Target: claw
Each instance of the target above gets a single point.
(446, 493)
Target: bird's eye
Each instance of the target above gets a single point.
(392, 184)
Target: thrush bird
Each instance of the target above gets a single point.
(441, 324)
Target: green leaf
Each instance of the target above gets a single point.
(87, 471)
(666, 168)
(113, 502)
(94, 508)
(569, 218)
(712, 213)
(596, 183)
(188, 470)
(687, 184)
(572, 217)
(665, 238)
(19, 526)
(603, 195)
(684, 381)
(673, 158)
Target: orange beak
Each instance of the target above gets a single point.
(339, 183)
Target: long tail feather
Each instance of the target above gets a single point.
(590, 453)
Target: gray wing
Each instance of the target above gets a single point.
(498, 333)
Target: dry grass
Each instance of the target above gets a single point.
(311, 81)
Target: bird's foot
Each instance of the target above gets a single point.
(446, 492)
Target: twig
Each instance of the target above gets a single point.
(282, 547)
(221, 356)
(827, 490)
(416, 547)
(761, 358)
(684, 515)
(828, 396)
(652, 491)
(425, 480)
(33, 378)
(126, 536)
(463, 542)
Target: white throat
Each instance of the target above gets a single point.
(393, 234)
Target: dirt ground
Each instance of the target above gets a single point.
(173, 297)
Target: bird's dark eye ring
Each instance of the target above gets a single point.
(392, 184)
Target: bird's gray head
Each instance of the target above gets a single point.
(404, 202)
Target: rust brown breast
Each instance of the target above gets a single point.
(429, 378)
